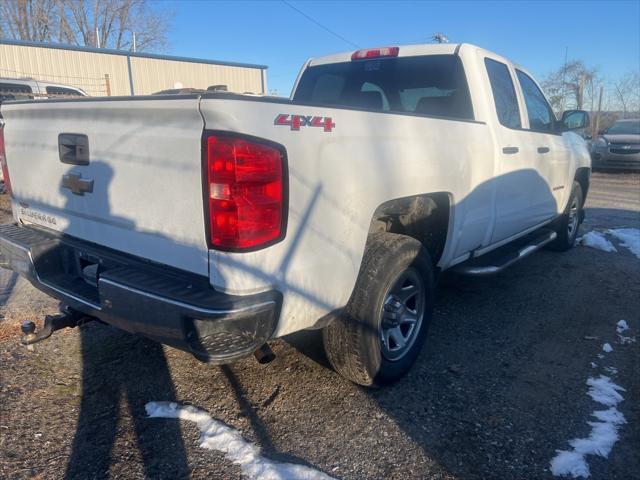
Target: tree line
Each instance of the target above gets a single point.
(577, 85)
(120, 24)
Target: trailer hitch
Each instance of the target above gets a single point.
(68, 318)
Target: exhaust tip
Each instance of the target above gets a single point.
(264, 354)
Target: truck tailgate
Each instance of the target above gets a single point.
(145, 164)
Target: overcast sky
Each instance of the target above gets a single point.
(605, 34)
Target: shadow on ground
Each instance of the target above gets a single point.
(123, 372)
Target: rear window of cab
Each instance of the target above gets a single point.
(433, 85)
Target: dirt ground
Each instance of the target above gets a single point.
(498, 388)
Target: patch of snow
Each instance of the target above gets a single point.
(629, 238)
(611, 370)
(600, 356)
(594, 365)
(611, 415)
(624, 339)
(621, 326)
(569, 462)
(216, 435)
(603, 435)
(598, 241)
(607, 348)
(604, 391)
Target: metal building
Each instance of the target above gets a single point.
(100, 71)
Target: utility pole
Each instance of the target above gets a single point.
(134, 42)
(596, 124)
(580, 99)
(107, 84)
(564, 72)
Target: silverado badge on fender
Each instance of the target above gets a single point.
(297, 121)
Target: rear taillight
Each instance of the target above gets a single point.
(375, 53)
(245, 192)
(3, 162)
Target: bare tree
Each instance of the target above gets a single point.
(94, 23)
(626, 91)
(569, 85)
(29, 19)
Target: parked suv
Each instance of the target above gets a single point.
(618, 147)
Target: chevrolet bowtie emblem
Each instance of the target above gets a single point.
(76, 184)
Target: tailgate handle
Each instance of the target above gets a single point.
(73, 148)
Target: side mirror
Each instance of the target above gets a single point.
(574, 120)
(602, 132)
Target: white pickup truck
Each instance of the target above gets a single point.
(216, 222)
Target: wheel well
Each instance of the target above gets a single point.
(423, 217)
(582, 177)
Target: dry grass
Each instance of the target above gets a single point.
(5, 208)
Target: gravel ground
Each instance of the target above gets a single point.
(499, 386)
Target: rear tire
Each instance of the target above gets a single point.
(379, 334)
(568, 224)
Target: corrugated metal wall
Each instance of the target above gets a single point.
(152, 75)
(87, 70)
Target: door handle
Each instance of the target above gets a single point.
(543, 149)
(510, 150)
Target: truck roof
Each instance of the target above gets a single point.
(405, 51)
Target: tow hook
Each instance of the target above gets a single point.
(68, 318)
(264, 354)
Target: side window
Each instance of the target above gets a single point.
(14, 91)
(538, 110)
(62, 92)
(504, 94)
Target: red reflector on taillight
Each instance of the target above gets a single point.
(245, 193)
(375, 53)
(3, 162)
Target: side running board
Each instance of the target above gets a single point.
(503, 257)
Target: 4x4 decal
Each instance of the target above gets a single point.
(295, 122)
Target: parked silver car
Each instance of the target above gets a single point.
(29, 89)
(618, 147)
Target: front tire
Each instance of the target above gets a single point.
(379, 334)
(569, 223)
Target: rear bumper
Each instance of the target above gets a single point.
(172, 307)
